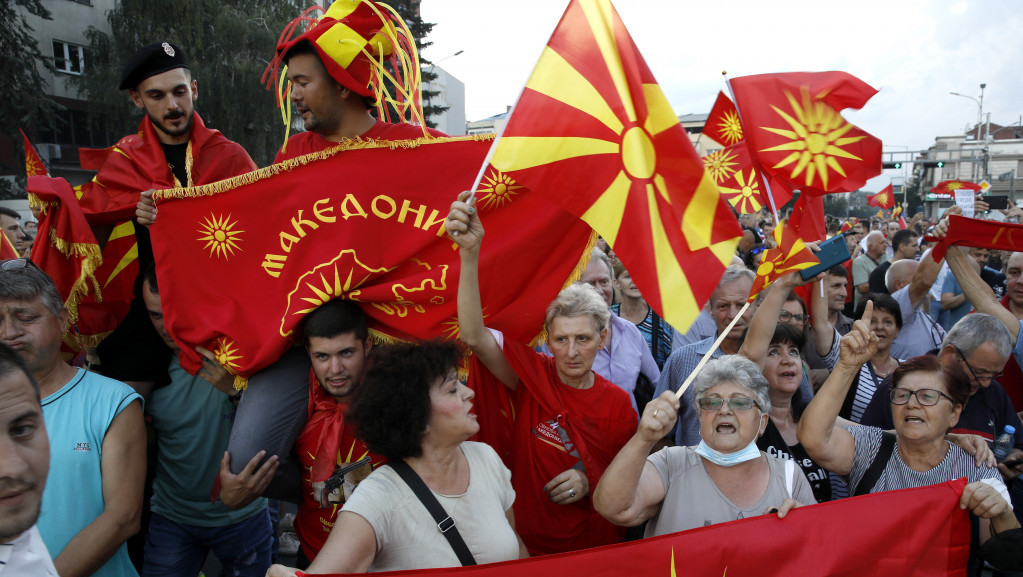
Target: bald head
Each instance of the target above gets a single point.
(900, 274)
(876, 244)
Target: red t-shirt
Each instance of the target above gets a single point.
(313, 523)
(310, 142)
(1012, 380)
(599, 421)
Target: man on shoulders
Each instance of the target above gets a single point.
(332, 460)
(24, 463)
(909, 283)
(93, 497)
(191, 418)
(865, 264)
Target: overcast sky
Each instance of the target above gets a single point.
(913, 51)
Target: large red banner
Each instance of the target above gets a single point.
(241, 261)
(910, 533)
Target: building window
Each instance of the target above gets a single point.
(69, 58)
(85, 2)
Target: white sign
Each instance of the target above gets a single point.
(964, 200)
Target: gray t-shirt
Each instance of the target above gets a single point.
(407, 536)
(691, 499)
(919, 333)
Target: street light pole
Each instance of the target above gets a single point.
(980, 119)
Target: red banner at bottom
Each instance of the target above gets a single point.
(913, 532)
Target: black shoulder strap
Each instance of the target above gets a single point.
(445, 524)
(873, 473)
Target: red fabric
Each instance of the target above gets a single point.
(789, 254)
(800, 135)
(980, 233)
(618, 158)
(308, 142)
(324, 442)
(137, 163)
(7, 250)
(116, 277)
(883, 199)
(723, 125)
(847, 265)
(379, 240)
(808, 218)
(599, 421)
(1012, 380)
(856, 537)
(949, 187)
(33, 164)
(737, 178)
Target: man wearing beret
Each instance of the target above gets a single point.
(172, 148)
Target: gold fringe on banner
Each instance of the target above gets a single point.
(274, 169)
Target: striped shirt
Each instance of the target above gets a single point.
(863, 390)
(898, 475)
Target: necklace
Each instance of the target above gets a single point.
(888, 365)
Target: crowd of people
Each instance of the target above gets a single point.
(889, 371)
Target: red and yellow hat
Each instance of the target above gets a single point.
(354, 39)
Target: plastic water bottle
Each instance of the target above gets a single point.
(1004, 443)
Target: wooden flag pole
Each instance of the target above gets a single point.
(706, 357)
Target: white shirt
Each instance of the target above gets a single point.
(26, 556)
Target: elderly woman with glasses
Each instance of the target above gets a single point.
(724, 478)
(927, 397)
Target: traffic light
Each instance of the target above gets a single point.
(891, 165)
(932, 163)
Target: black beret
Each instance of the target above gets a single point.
(150, 60)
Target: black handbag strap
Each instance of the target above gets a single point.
(445, 524)
(873, 473)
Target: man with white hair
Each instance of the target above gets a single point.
(872, 256)
(909, 283)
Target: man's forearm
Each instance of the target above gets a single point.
(96, 543)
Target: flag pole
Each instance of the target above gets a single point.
(767, 185)
(707, 356)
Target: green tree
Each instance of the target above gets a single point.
(228, 44)
(24, 103)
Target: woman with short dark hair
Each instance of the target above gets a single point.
(412, 408)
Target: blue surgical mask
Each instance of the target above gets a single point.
(728, 459)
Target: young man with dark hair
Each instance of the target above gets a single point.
(332, 460)
(24, 464)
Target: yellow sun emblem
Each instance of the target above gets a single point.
(219, 235)
(954, 185)
(499, 189)
(730, 128)
(817, 135)
(746, 198)
(720, 164)
(227, 353)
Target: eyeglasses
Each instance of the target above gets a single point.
(979, 377)
(786, 316)
(734, 403)
(14, 264)
(926, 397)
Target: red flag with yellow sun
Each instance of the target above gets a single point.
(723, 125)
(883, 199)
(594, 130)
(33, 164)
(737, 178)
(796, 132)
(790, 254)
(951, 186)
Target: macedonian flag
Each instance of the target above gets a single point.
(737, 178)
(593, 127)
(33, 163)
(883, 199)
(796, 132)
(723, 125)
(790, 254)
(951, 186)
(237, 278)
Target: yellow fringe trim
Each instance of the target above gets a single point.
(91, 260)
(240, 383)
(38, 203)
(92, 340)
(274, 169)
(573, 277)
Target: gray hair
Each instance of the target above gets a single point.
(29, 283)
(734, 369)
(602, 257)
(579, 300)
(734, 273)
(974, 330)
(873, 233)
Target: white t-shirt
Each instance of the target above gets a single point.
(408, 537)
(26, 556)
